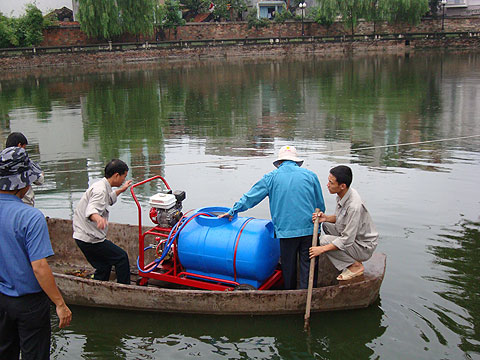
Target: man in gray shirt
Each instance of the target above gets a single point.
(90, 224)
(350, 235)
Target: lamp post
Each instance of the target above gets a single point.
(302, 6)
(444, 2)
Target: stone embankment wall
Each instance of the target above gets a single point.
(267, 51)
(70, 33)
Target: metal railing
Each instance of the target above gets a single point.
(280, 40)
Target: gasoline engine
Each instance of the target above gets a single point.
(166, 208)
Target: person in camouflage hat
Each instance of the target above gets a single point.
(27, 285)
(17, 171)
(17, 139)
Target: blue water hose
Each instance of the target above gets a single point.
(138, 262)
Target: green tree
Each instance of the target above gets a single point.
(8, 37)
(283, 15)
(27, 30)
(351, 11)
(238, 7)
(221, 11)
(30, 27)
(109, 18)
(137, 16)
(196, 6)
(327, 12)
(168, 15)
(100, 19)
(374, 13)
(229, 9)
(407, 11)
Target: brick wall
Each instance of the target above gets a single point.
(294, 28)
(70, 33)
(65, 34)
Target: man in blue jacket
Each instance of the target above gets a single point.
(293, 193)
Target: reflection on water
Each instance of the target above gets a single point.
(458, 251)
(213, 128)
(154, 336)
(240, 110)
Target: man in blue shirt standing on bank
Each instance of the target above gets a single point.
(293, 193)
(27, 284)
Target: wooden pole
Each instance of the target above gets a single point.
(306, 325)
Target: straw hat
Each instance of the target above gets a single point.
(17, 171)
(288, 153)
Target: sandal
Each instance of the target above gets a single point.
(347, 275)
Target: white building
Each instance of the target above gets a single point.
(462, 7)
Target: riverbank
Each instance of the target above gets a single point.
(260, 48)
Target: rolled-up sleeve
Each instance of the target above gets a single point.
(40, 180)
(257, 193)
(320, 203)
(96, 203)
(113, 198)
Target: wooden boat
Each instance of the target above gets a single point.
(68, 262)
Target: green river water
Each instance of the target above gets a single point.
(409, 126)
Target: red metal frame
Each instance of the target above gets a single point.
(170, 270)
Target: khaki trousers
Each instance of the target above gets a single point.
(343, 259)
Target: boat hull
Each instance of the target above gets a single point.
(356, 293)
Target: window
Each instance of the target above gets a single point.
(269, 9)
(456, 3)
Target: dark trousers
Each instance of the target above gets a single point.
(102, 256)
(289, 249)
(25, 327)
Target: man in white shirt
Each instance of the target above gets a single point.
(350, 235)
(90, 224)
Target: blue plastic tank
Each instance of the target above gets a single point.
(206, 246)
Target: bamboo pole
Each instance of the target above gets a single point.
(306, 325)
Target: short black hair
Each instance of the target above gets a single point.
(16, 138)
(115, 166)
(343, 174)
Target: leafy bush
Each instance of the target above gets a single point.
(27, 30)
(8, 37)
(30, 26)
(168, 15)
(254, 21)
(283, 15)
(225, 10)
